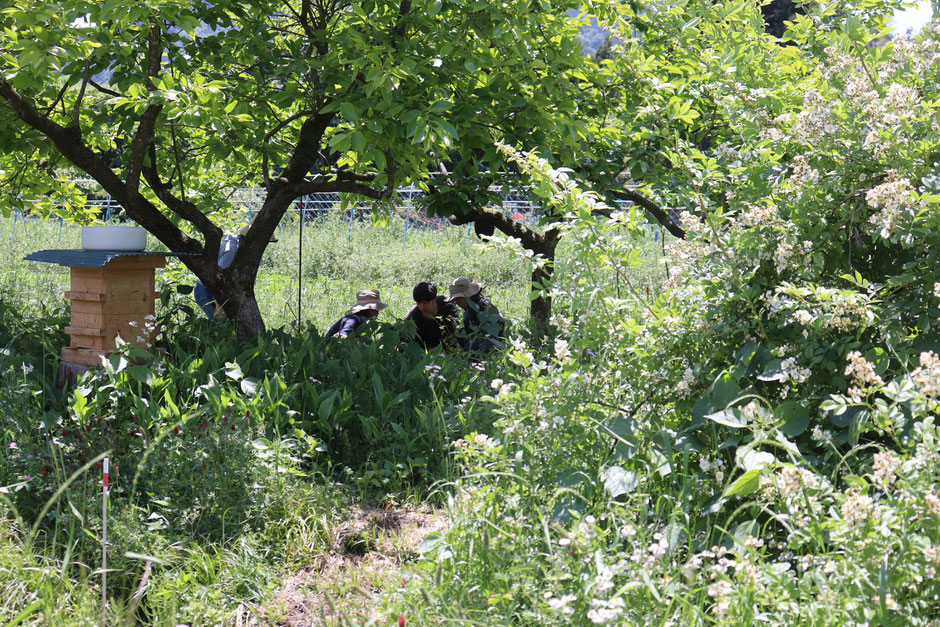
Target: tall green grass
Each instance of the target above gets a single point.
(235, 463)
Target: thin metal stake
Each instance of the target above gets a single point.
(351, 207)
(16, 214)
(104, 541)
(300, 258)
(407, 220)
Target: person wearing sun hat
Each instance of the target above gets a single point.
(227, 249)
(483, 326)
(368, 305)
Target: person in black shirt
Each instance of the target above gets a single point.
(483, 326)
(435, 318)
(368, 305)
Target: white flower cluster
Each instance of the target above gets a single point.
(502, 388)
(896, 204)
(521, 354)
(815, 121)
(802, 317)
(562, 352)
(857, 507)
(758, 215)
(714, 467)
(823, 436)
(792, 479)
(560, 322)
(684, 386)
(932, 553)
(886, 467)
(691, 223)
(862, 371)
(793, 372)
(751, 412)
(927, 377)
(787, 251)
(585, 532)
(803, 174)
(933, 503)
(936, 289)
(561, 604)
(604, 611)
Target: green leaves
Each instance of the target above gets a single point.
(747, 483)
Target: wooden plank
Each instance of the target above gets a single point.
(84, 331)
(82, 319)
(78, 355)
(87, 280)
(96, 342)
(92, 296)
(88, 307)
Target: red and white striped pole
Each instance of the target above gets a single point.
(104, 540)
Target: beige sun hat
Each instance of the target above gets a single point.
(462, 286)
(367, 299)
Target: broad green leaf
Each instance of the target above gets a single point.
(747, 483)
(619, 481)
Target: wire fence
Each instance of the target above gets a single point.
(407, 203)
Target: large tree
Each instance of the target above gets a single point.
(304, 96)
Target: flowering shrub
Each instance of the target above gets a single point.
(757, 442)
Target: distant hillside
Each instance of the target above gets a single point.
(592, 35)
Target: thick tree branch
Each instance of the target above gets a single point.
(529, 238)
(103, 89)
(148, 121)
(652, 208)
(307, 148)
(181, 207)
(77, 109)
(322, 184)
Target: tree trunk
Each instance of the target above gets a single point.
(248, 321)
(486, 219)
(541, 308)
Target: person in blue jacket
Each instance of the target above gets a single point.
(227, 249)
(368, 305)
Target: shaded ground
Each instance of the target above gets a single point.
(343, 586)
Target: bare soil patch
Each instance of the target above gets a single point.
(343, 586)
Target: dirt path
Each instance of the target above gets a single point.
(343, 587)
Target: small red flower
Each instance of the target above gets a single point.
(64, 432)
(233, 427)
(401, 621)
(134, 418)
(176, 430)
(404, 582)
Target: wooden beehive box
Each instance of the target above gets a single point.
(110, 301)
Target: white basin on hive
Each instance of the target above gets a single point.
(114, 238)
